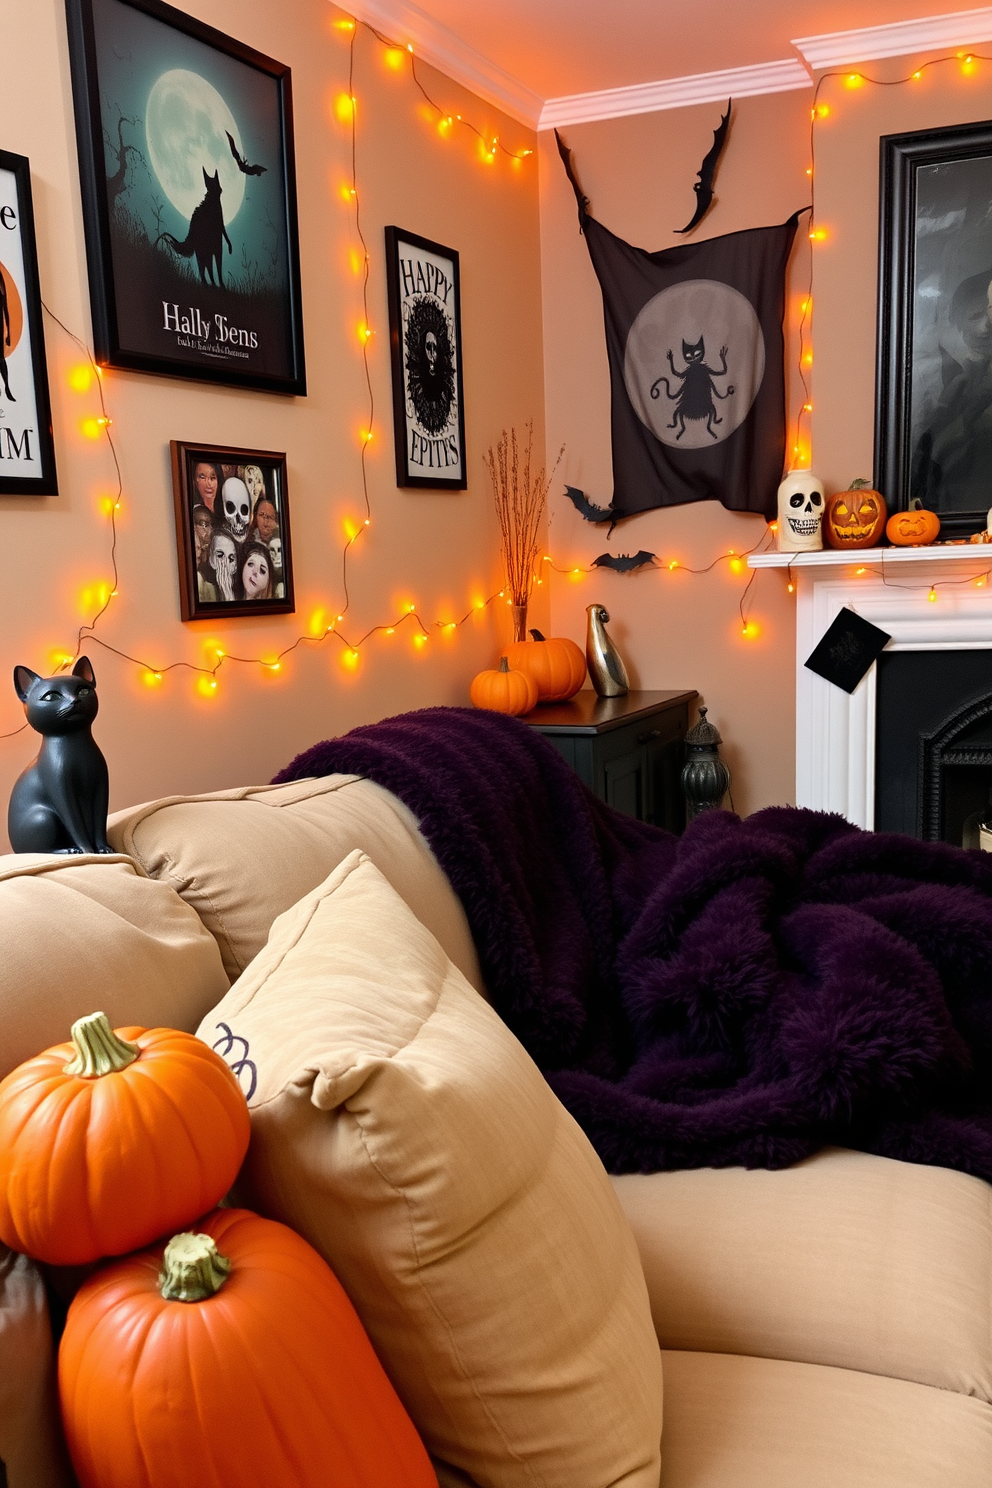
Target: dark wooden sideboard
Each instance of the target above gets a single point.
(627, 750)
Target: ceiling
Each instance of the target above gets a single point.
(522, 54)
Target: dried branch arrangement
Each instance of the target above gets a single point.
(521, 497)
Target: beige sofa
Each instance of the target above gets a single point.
(826, 1325)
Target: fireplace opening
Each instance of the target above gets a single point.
(933, 744)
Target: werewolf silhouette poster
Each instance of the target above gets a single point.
(27, 452)
(186, 158)
(425, 342)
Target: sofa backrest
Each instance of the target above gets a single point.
(241, 857)
(85, 934)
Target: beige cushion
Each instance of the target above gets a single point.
(844, 1259)
(31, 1442)
(88, 934)
(399, 1126)
(241, 857)
(733, 1422)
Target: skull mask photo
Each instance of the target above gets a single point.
(237, 506)
(800, 513)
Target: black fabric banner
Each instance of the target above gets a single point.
(696, 348)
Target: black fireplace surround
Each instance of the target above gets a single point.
(933, 744)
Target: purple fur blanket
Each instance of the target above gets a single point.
(744, 994)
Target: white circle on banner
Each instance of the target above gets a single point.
(694, 362)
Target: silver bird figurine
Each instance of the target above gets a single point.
(606, 668)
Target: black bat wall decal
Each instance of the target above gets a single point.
(587, 508)
(623, 562)
(703, 186)
(243, 166)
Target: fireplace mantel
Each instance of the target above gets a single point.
(891, 587)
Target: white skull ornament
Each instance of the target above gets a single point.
(237, 506)
(800, 513)
(275, 552)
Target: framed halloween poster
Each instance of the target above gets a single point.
(27, 450)
(425, 338)
(188, 179)
(933, 406)
(232, 531)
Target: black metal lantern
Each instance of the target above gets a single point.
(705, 778)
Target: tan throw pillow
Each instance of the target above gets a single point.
(399, 1126)
(92, 934)
(32, 1447)
(241, 857)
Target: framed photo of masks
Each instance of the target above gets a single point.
(425, 339)
(232, 531)
(27, 451)
(186, 160)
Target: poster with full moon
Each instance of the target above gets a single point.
(189, 197)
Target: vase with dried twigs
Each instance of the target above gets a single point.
(521, 497)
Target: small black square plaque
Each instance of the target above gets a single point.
(847, 649)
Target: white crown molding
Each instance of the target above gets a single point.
(960, 28)
(406, 23)
(669, 93)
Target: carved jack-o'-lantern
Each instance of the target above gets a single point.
(915, 528)
(854, 518)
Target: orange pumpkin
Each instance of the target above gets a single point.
(557, 665)
(854, 518)
(231, 1356)
(504, 691)
(114, 1139)
(915, 528)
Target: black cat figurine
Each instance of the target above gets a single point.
(59, 803)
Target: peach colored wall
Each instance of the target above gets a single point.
(675, 629)
(438, 550)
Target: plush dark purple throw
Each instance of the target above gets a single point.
(744, 994)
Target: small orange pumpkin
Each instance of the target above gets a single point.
(915, 528)
(113, 1139)
(556, 664)
(854, 518)
(504, 691)
(230, 1356)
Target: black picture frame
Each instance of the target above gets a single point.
(256, 477)
(425, 341)
(160, 99)
(27, 446)
(933, 387)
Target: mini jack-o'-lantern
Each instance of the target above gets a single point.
(915, 528)
(800, 513)
(854, 518)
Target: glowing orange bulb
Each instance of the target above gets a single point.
(750, 630)
(736, 566)
(917, 76)
(772, 526)
(92, 428)
(367, 436)
(152, 679)
(979, 583)
(932, 596)
(807, 408)
(792, 588)
(673, 565)
(394, 58)
(344, 25)
(344, 107)
(853, 80)
(273, 666)
(206, 686)
(349, 659)
(390, 630)
(860, 571)
(80, 378)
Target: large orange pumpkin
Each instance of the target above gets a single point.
(557, 665)
(504, 691)
(229, 1357)
(854, 518)
(915, 528)
(114, 1139)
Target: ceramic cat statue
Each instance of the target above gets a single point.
(59, 803)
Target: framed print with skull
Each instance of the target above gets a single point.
(425, 339)
(232, 531)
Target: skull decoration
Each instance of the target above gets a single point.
(800, 513)
(275, 553)
(237, 506)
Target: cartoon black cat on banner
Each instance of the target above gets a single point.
(694, 336)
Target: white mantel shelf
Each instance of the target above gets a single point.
(936, 598)
(980, 554)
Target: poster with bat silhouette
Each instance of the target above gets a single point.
(27, 450)
(186, 161)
